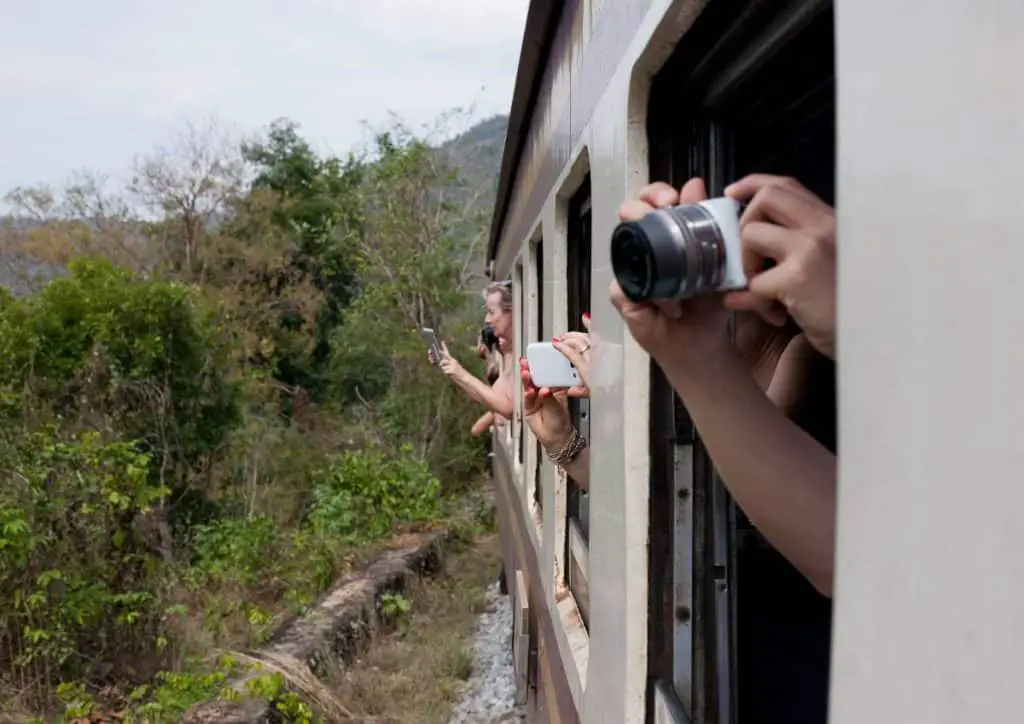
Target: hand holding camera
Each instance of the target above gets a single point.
(664, 262)
(786, 223)
(673, 254)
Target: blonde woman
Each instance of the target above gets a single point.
(497, 397)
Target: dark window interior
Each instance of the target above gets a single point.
(539, 261)
(750, 88)
(523, 340)
(578, 293)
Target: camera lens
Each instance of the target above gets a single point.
(633, 261)
(669, 254)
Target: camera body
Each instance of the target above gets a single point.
(489, 337)
(680, 252)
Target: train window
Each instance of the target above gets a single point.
(578, 258)
(519, 300)
(740, 633)
(538, 300)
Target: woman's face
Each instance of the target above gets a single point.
(500, 320)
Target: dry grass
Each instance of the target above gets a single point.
(413, 675)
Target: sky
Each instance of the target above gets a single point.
(91, 85)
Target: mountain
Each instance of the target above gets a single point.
(477, 153)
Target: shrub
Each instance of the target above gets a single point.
(73, 556)
(362, 494)
(131, 356)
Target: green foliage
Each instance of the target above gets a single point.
(239, 547)
(206, 417)
(317, 201)
(413, 260)
(395, 606)
(362, 494)
(134, 357)
(72, 557)
(175, 692)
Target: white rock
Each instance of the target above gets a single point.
(490, 692)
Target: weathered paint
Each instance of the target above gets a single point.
(553, 679)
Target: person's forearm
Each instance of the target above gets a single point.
(579, 469)
(484, 393)
(483, 424)
(779, 475)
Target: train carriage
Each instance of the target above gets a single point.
(651, 598)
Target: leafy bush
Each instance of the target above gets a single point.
(132, 356)
(242, 548)
(363, 493)
(73, 554)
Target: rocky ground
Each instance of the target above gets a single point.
(490, 692)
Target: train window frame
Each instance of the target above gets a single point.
(693, 570)
(578, 287)
(538, 298)
(519, 423)
(533, 320)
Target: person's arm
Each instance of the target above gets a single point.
(495, 398)
(483, 424)
(782, 478)
(579, 469)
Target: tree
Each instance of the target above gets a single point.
(413, 257)
(48, 228)
(191, 184)
(317, 200)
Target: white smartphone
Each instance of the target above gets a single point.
(549, 367)
(432, 343)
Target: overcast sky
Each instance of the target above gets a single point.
(91, 84)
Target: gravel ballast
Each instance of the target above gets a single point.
(490, 693)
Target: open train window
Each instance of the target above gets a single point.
(578, 256)
(740, 634)
(537, 297)
(519, 299)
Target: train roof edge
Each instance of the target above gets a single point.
(541, 23)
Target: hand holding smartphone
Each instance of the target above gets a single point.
(549, 367)
(433, 345)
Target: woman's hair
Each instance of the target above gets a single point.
(502, 288)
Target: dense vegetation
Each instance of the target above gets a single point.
(213, 399)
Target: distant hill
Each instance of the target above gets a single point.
(477, 152)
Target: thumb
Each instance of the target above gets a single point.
(444, 348)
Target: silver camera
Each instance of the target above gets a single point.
(680, 252)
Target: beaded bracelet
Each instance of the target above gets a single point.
(569, 451)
